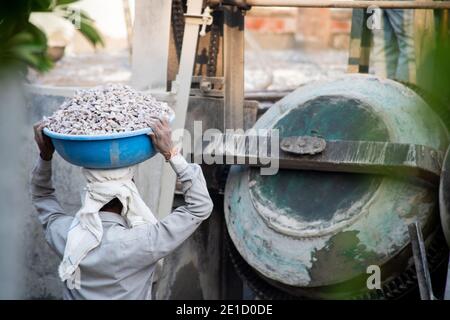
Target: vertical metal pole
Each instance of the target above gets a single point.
(184, 78)
(233, 46)
(233, 62)
(447, 284)
(420, 262)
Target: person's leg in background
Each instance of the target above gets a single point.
(385, 52)
(402, 22)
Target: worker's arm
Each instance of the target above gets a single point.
(165, 236)
(158, 240)
(50, 212)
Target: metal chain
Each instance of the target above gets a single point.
(178, 24)
(214, 42)
(178, 7)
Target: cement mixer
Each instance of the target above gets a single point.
(317, 234)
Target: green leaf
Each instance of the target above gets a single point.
(42, 5)
(65, 2)
(22, 37)
(84, 24)
(12, 22)
(22, 44)
(90, 33)
(85, 16)
(38, 34)
(68, 13)
(28, 48)
(29, 54)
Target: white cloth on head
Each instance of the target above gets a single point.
(86, 231)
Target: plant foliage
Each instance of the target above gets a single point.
(23, 45)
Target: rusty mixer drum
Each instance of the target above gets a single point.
(308, 232)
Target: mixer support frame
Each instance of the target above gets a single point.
(420, 262)
(247, 4)
(385, 158)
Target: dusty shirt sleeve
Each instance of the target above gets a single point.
(160, 239)
(50, 213)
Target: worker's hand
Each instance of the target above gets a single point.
(161, 136)
(44, 143)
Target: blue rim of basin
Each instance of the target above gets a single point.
(107, 136)
(110, 136)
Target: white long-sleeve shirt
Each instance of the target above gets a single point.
(122, 266)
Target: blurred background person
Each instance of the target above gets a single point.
(393, 45)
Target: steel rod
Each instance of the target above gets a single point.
(420, 262)
(233, 55)
(341, 4)
(184, 78)
(382, 158)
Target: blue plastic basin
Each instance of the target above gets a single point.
(104, 151)
(109, 151)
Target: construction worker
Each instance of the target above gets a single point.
(103, 256)
(393, 54)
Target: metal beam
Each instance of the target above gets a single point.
(420, 262)
(338, 4)
(233, 55)
(384, 158)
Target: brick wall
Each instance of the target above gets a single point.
(317, 27)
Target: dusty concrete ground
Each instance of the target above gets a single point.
(264, 69)
(86, 70)
(289, 69)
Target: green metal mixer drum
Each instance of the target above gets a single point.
(314, 233)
